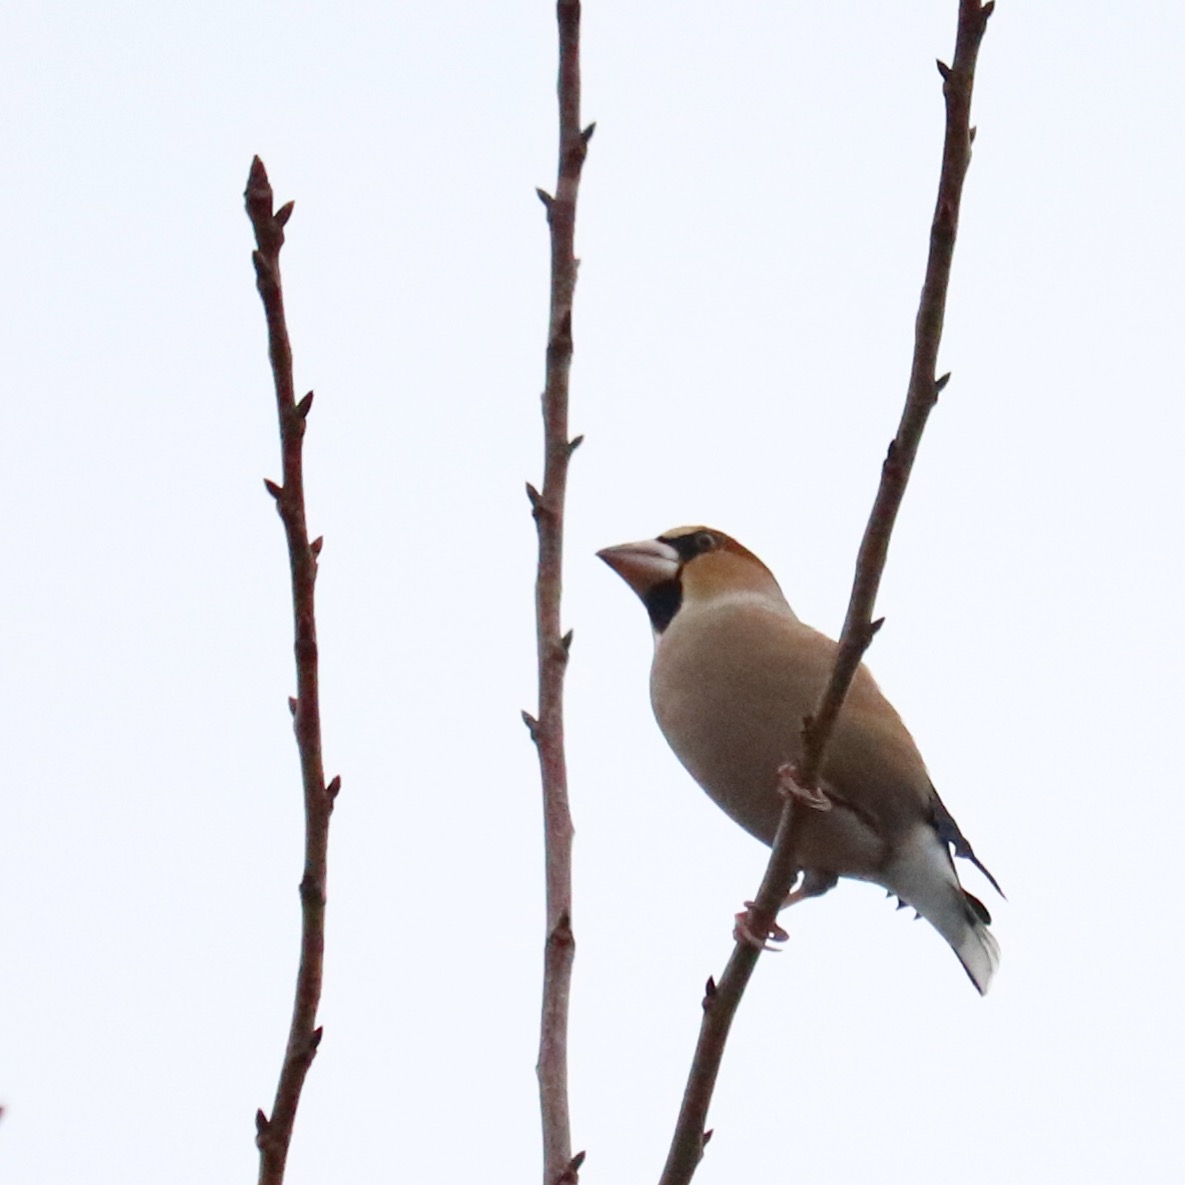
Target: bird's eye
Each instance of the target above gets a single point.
(704, 541)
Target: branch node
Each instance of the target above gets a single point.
(276, 491)
(944, 70)
(575, 443)
(538, 507)
(940, 383)
(293, 704)
(315, 1039)
(571, 1173)
(532, 725)
(261, 1123)
(312, 890)
(566, 643)
(709, 993)
(561, 934)
(546, 198)
(587, 134)
(304, 406)
(708, 1136)
(334, 788)
(874, 628)
(988, 9)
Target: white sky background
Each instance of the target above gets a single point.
(753, 227)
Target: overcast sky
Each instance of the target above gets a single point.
(752, 227)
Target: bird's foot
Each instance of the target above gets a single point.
(745, 931)
(789, 785)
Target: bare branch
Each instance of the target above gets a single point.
(547, 505)
(274, 1134)
(720, 1004)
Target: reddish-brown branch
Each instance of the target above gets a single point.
(274, 1134)
(721, 1001)
(547, 505)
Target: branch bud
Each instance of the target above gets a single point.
(571, 1174)
(709, 993)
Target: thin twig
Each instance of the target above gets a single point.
(274, 1135)
(721, 1001)
(560, 1167)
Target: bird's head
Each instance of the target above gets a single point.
(688, 565)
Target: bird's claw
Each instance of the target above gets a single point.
(791, 787)
(743, 931)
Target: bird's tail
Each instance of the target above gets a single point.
(924, 877)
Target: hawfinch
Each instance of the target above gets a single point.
(735, 673)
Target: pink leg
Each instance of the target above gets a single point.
(789, 784)
(743, 931)
(812, 883)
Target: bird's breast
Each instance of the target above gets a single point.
(730, 693)
(731, 686)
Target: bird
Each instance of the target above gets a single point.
(735, 673)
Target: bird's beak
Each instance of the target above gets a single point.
(642, 565)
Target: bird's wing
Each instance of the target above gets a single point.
(948, 832)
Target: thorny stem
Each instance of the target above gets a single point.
(721, 1001)
(274, 1134)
